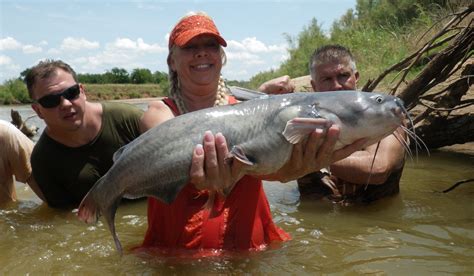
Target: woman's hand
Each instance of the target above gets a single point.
(211, 169)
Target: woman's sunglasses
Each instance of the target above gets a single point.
(53, 100)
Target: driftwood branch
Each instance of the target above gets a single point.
(457, 184)
(461, 105)
(438, 69)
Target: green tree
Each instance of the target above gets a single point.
(117, 75)
(388, 13)
(14, 91)
(141, 75)
(160, 77)
(91, 78)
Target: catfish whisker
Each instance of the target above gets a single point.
(404, 143)
(412, 137)
(372, 165)
(418, 141)
(411, 132)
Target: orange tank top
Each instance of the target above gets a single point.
(240, 221)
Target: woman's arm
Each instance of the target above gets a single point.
(157, 113)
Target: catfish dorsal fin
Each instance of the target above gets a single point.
(118, 153)
(297, 129)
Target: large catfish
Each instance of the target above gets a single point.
(260, 132)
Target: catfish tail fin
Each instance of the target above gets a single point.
(109, 215)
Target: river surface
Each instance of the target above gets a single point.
(418, 232)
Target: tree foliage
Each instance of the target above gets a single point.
(121, 76)
(141, 75)
(13, 92)
(160, 77)
(117, 75)
(393, 14)
(91, 78)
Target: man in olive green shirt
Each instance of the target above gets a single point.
(80, 137)
(66, 174)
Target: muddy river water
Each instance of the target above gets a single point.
(419, 232)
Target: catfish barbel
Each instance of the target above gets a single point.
(260, 132)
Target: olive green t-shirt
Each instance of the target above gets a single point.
(66, 174)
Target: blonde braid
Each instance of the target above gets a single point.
(222, 93)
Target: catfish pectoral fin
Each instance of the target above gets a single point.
(297, 130)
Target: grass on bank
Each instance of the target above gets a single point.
(100, 92)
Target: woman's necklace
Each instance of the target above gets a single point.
(221, 97)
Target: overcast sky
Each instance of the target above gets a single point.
(94, 36)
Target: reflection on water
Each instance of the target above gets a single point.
(420, 231)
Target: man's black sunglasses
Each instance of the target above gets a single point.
(53, 100)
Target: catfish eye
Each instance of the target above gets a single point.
(379, 99)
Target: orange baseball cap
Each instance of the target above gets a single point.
(192, 26)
